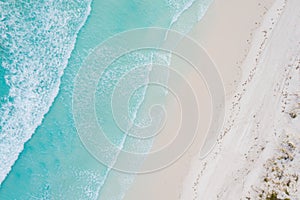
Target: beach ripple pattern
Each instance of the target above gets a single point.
(118, 155)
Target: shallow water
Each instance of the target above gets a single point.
(37, 48)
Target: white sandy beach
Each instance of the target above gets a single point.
(256, 46)
(257, 156)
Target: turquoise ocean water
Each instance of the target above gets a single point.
(43, 45)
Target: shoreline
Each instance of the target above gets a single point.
(228, 54)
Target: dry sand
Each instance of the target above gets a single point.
(257, 155)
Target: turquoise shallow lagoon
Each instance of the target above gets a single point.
(43, 45)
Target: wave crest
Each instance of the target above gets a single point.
(36, 42)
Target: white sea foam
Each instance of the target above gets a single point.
(180, 6)
(36, 40)
(187, 13)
